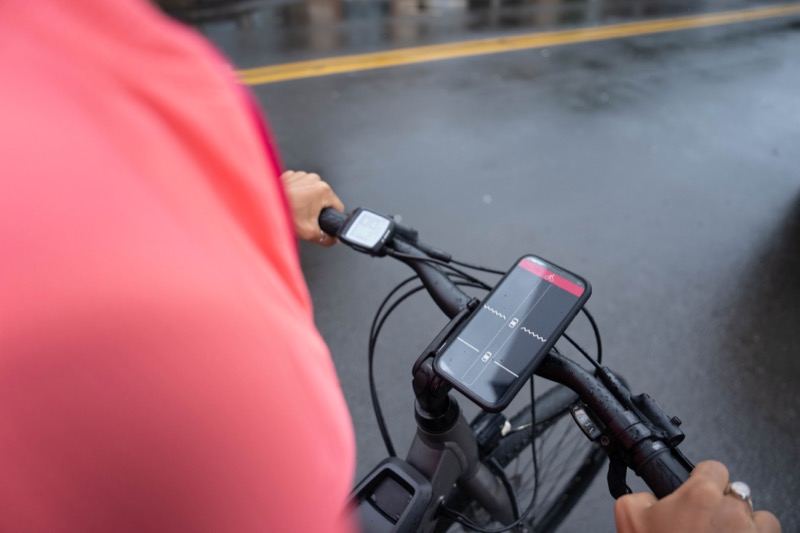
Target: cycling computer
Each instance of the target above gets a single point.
(367, 231)
(496, 351)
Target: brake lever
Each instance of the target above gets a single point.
(617, 478)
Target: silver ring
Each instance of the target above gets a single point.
(322, 237)
(740, 490)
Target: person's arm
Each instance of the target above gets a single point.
(308, 195)
(699, 506)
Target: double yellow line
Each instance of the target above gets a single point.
(422, 54)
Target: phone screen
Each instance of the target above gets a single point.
(498, 348)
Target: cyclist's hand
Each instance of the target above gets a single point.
(308, 196)
(699, 505)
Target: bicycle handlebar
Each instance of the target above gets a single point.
(664, 469)
(664, 473)
(450, 299)
(629, 431)
(331, 221)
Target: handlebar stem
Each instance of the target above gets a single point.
(434, 406)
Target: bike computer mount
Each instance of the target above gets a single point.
(367, 231)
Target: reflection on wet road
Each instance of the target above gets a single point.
(262, 32)
(408, 56)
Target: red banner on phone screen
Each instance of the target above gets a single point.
(552, 277)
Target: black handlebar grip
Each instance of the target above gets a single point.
(331, 221)
(663, 472)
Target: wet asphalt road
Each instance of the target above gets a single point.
(665, 169)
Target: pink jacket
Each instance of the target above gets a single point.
(159, 365)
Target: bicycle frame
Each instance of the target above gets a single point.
(444, 452)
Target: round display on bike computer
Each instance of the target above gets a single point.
(367, 231)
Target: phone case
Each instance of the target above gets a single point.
(524, 375)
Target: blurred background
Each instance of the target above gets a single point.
(663, 166)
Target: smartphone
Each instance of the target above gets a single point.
(496, 351)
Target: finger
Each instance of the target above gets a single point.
(734, 514)
(328, 241)
(327, 197)
(288, 176)
(636, 502)
(629, 511)
(335, 202)
(766, 522)
(711, 471)
(305, 179)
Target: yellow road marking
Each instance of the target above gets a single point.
(422, 54)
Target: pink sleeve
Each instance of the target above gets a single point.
(159, 365)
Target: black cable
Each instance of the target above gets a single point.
(377, 326)
(471, 285)
(533, 447)
(596, 335)
(495, 467)
(580, 349)
(465, 275)
(386, 301)
(376, 406)
(478, 267)
(371, 358)
(438, 262)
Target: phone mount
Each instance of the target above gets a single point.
(434, 407)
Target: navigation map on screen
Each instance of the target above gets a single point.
(511, 330)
